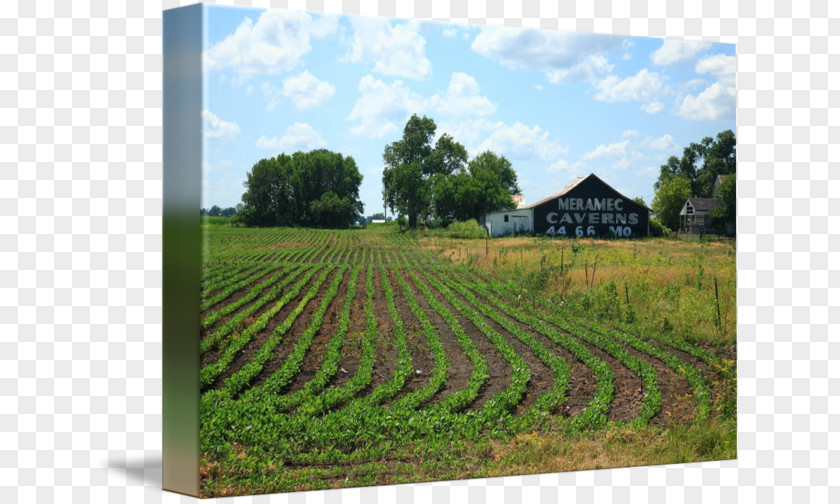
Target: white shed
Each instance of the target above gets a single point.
(505, 222)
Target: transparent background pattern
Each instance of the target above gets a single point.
(80, 252)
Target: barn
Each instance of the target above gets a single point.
(588, 206)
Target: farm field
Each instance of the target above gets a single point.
(362, 357)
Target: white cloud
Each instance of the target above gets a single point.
(673, 51)
(588, 69)
(629, 133)
(645, 86)
(307, 91)
(396, 50)
(653, 107)
(664, 143)
(717, 101)
(563, 56)
(538, 87)
(520, 142)
(714, 103)
(719, 65)
(298, 137)
(274, 43)
(559, 165)
(216, 128)
(613, 149)
(383, 109)
(462, 98)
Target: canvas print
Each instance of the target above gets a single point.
(438, 251)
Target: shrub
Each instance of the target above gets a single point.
(657, 229)
(467, 229)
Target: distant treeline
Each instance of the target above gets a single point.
(313, 189)
(217, 211)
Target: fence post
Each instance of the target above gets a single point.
(626, 293)
(717, 302)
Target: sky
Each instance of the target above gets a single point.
(557, 104)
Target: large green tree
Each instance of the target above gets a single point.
(725, 194)
(319, 188)
(486, 185)
(670, 198)
(701, 163)
(413, 168)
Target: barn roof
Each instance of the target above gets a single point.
(571, 185)
(703, 204)
(567, 188)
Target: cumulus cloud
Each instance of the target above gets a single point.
(307, 91)
(644, 86)
(613, 149)
(382, 109)
(717, 101)
(588, 69)
(395, 50)
(672, 51)
(562, 56)
(216, 128)
(462, 98)
(664, 143)
(519, 141)
(275, 43)
(298, 137)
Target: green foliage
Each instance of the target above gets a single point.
(409, 167)
(486, 185)
(701, 163)
(420, 180)
(669, 200)
(658, 230)
(467, 229)
(725, 194)
(317, 189)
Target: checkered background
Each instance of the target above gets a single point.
(80, 251)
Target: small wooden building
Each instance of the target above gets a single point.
(695, 216)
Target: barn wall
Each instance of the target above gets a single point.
(592, 208)
(519, 221)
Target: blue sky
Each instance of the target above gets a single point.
(556, 104)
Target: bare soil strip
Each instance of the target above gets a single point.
(421, 357)
(460, 367)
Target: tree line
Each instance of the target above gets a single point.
(319, 188)
(694, 175)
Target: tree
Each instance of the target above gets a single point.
(640, 200)
(486, 185)
(377, 216)
(318, 188)
(406, 184)
(725, 194)
(701, 163)
(670, 198)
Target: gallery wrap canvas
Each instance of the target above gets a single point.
(399, 251)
